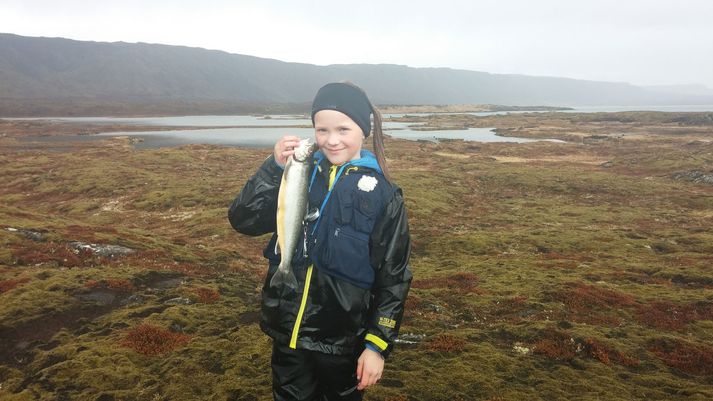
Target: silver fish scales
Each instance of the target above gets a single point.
(292, 205)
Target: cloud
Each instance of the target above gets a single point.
(638, 41)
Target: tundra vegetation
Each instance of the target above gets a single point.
(542, 271)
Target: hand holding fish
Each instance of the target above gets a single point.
(285, 148)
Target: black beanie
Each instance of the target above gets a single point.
(346, 99)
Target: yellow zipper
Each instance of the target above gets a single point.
(308, 278)
(298, 321)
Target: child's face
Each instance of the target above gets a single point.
(338, 136)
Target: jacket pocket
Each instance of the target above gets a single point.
(347, 255)
(364, 213)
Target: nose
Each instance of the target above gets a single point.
(333, 139)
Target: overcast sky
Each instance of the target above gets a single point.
(643, 42)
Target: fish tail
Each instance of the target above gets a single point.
(284, 276)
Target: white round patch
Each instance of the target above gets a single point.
(367, 183)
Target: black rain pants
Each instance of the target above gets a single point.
(303, 375)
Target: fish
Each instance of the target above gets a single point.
(292, 206)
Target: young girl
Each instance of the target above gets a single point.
(331, 334)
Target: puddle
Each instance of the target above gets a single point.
(18, 344)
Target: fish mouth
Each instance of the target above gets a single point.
(303, 153)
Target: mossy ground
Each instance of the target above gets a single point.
(542, 270)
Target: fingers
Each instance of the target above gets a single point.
(369, 378)
(289, 142)
(369, 369)
(360, 368)
(285, 147)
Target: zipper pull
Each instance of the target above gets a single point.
(336, 232)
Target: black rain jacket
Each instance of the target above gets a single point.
(355, 269)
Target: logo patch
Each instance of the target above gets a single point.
(367, 183)
(386, 322)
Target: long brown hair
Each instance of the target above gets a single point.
(378, 141)
(377, 134)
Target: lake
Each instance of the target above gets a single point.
(260, 133)
(264, 131)
(266, 137)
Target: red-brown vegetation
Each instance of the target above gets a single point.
(704, 310)
(120, 284)
(556, 345)
(690, 358)
(446, 343)
(585, 297)
(7, 285)
(512, 309)
(510, 305)
(586, 303)
(665, 315)
(606, 354)
(35, 253)
(207, 295)
(152, 340)
(462, 282)
(92, 284)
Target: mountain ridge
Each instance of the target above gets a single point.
(52, 70)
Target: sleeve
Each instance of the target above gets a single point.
(253, 211)
(390, 246)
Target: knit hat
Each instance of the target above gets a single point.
(347, 99)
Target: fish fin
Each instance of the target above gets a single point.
(284, 276)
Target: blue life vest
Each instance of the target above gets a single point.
(340, 237)
(337, 242)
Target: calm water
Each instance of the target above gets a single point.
(677, 108)
(263, 134)
(266, 137)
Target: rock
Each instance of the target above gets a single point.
(520, 348)
(179, 301)
(109, 251)
(607, 164)
(176, 328)
(410, 339)
(29, 234)
(696, 176)
(135, 299)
